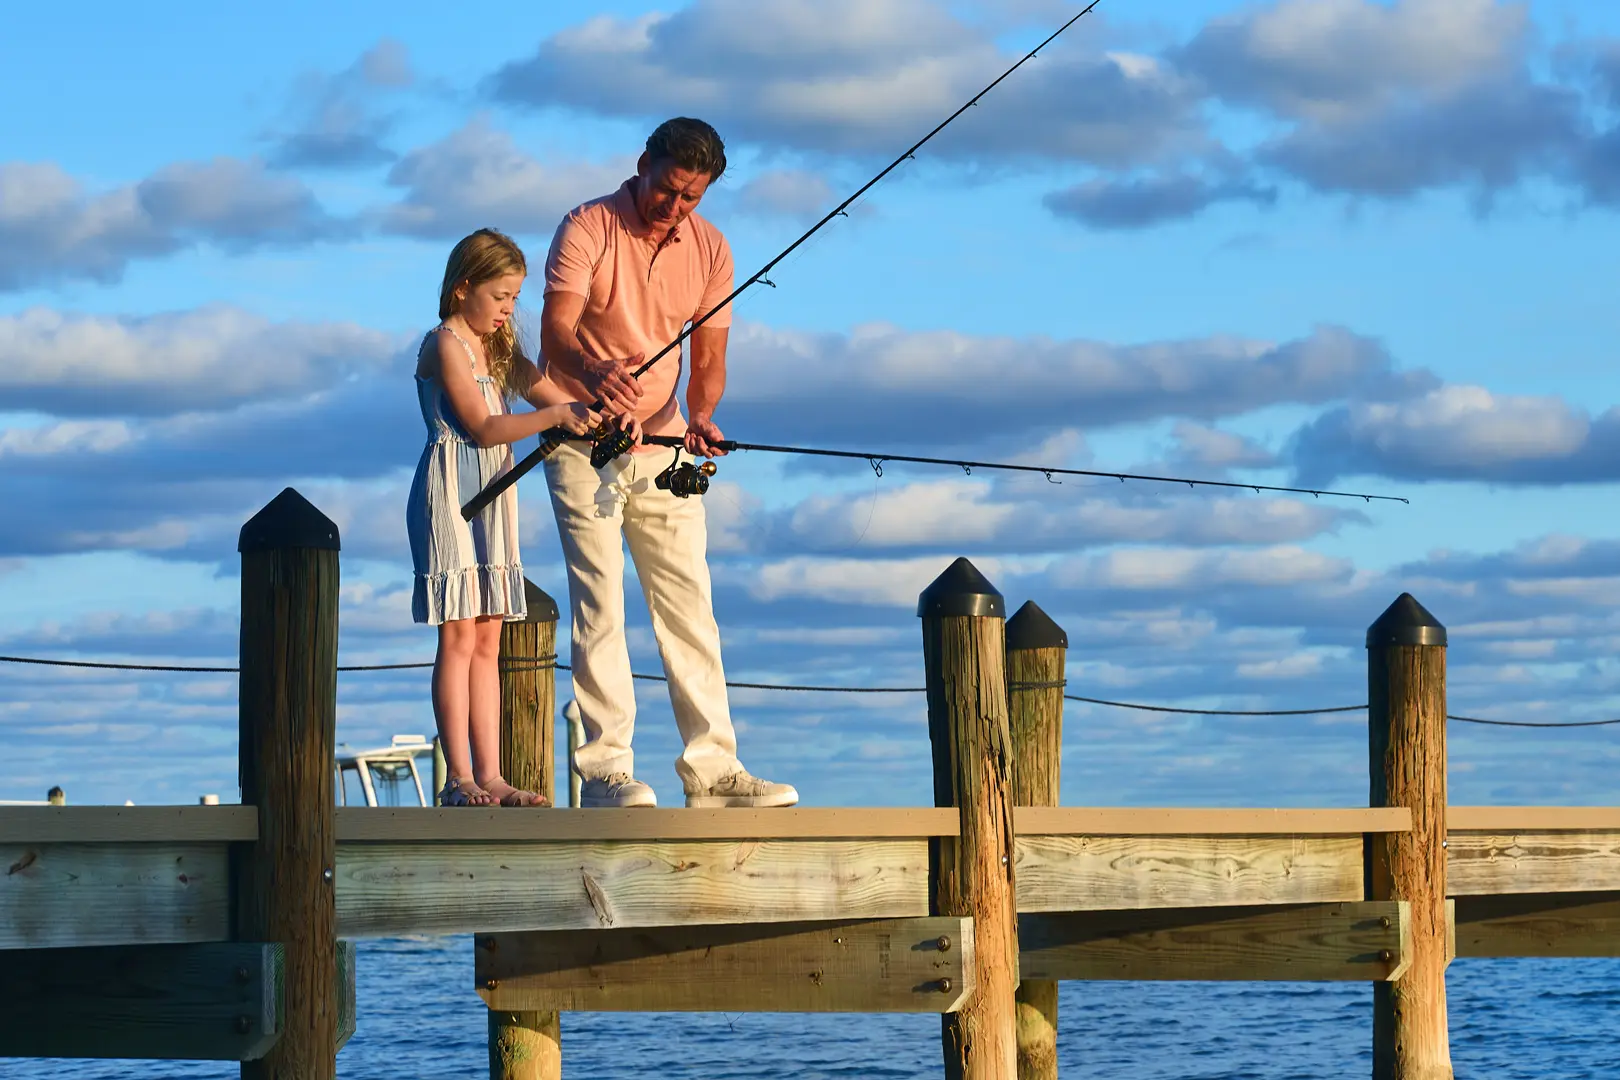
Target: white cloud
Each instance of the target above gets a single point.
(208, 359)
(1463, 432)
(788, 192)
(1173, 568)
(1328, 60)
(477, 177)
(52, 229)
(805, 74)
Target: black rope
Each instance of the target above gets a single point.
(876, 460)
(1532, 723)
(549, 662)
(1214, 712)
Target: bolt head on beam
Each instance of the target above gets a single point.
(1406, 622)
(1032, 628)
(961, 590)
(288, 521)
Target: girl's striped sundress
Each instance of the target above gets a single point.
(463, 568)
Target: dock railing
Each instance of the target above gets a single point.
(226, 932)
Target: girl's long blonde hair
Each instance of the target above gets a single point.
(484, 256)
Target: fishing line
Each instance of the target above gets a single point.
(608, 436)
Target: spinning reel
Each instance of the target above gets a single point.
(608, 442)
(683, 480)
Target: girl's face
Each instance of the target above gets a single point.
(487, 306)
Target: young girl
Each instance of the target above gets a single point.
(469, 576)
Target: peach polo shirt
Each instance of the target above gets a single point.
(639, 293)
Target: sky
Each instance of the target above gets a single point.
(1331, 243)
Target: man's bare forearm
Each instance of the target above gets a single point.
(562, 348)
(708, 382)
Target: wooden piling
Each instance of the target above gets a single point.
(282, 885)
(1406, 691)
(972, 874)
(527, 1045)
(1037, 649)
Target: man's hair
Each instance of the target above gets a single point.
(689, 143)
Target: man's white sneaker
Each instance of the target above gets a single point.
(741, 789)
(615, 789)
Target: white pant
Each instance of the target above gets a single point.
(596, 514)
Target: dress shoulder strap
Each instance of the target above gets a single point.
(472, 361)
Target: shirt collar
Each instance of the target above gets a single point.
(624, 201)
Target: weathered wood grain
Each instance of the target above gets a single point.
(1485, 863)
(1406, 729)
(1037, 650)
(286, 742)
(891, 965)
(964, 664)
(1539, 924)
(387, 889)
(346, 997)
(213, 1001)
(127, 824)
(1199, 821)
(526, 1044)
(1364, 941)
(75, 895)
(1091, 873)
(464, 824)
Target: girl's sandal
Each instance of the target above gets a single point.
(460, 792)
(515, 796)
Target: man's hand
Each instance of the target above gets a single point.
(701, 437)
(612, 384)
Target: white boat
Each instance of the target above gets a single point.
(388, 775)
(391, 775)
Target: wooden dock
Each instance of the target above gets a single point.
(226, 932)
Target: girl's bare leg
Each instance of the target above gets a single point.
(452, 664)
(484, 706)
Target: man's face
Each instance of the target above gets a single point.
(667, 193)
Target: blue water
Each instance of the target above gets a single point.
(1510, 1020)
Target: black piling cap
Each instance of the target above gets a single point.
(961, 590)
(542, 608)
(1406, 622)
(288, 521)
(1032, 628)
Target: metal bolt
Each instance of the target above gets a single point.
(944, 986)
(1004, 860)
(1445, 843)
(1384, 922)
(491, 984)
(243, 974)
(1386, 956)
(944, 943)
(327, 873)
(243, 1025)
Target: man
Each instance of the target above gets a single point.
(624, 276)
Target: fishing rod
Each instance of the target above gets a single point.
(610, 441)
(681, 480)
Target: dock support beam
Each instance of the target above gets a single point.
(1037, 649)
(1406, 716)
(282, 885)
(527, 1045)
(964, 660)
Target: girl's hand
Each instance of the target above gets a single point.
(628, 422)
(577, 418)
